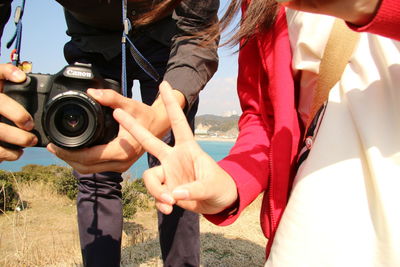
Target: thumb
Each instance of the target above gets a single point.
(11, 73)
(190, 191)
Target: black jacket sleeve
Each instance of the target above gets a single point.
(5, 11)
(191, 65)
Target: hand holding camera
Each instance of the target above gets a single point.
(62, 112)
(78, 127)
(119, 154)
(19, 134)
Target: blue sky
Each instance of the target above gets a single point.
(44, 37)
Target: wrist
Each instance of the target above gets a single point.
(161, 124)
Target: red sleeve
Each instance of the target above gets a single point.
(248, 160)
(386, 22)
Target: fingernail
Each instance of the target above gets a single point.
(181, 194)
(165, 209)
(167, 198)
(50, 148)
(95, 92)
(18, 75)
(29, 125)
(34, 141)
(122, 114)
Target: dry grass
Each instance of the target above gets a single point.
(239, 244)
(46, 234)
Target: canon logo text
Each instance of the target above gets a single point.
(76, 73)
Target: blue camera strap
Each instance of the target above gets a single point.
(15, 56)
(143, 63)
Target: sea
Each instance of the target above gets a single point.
(40, 156)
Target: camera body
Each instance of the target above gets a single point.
(62, 111)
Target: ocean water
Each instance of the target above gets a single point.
(40, 156)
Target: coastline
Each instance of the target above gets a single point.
(214, 138)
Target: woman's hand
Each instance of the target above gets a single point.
(358, 12)
(187, 176)
(13, 111)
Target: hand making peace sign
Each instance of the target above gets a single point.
(187, 176)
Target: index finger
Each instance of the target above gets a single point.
(179, 124)
(112, 99)
(150, 143)
(15, 112)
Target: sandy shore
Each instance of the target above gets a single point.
(212, 138)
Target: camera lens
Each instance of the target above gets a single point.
(73, 120)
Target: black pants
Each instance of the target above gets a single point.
(99, 198)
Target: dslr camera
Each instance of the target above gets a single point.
(63, 113)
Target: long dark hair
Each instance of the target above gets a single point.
(156, 11)
(259, 16)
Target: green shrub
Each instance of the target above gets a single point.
(46, 174)
(134, 197)
(67, 185)
(134, 193)
(59, 177)
(139, 186)
(8, 194)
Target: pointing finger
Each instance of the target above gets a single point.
(111, 98)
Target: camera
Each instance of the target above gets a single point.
(62, 112)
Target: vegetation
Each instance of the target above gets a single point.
(41, 173)
(61, 180)
(8, 193)
(217, 123)
(58, 177)
(67, 185)
(134, 197)
(46, 233)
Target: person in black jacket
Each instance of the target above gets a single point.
(167, 34)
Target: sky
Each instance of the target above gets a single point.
(44, 36)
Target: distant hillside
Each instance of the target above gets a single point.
(214, 125)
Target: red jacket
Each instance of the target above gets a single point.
(264, 156)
